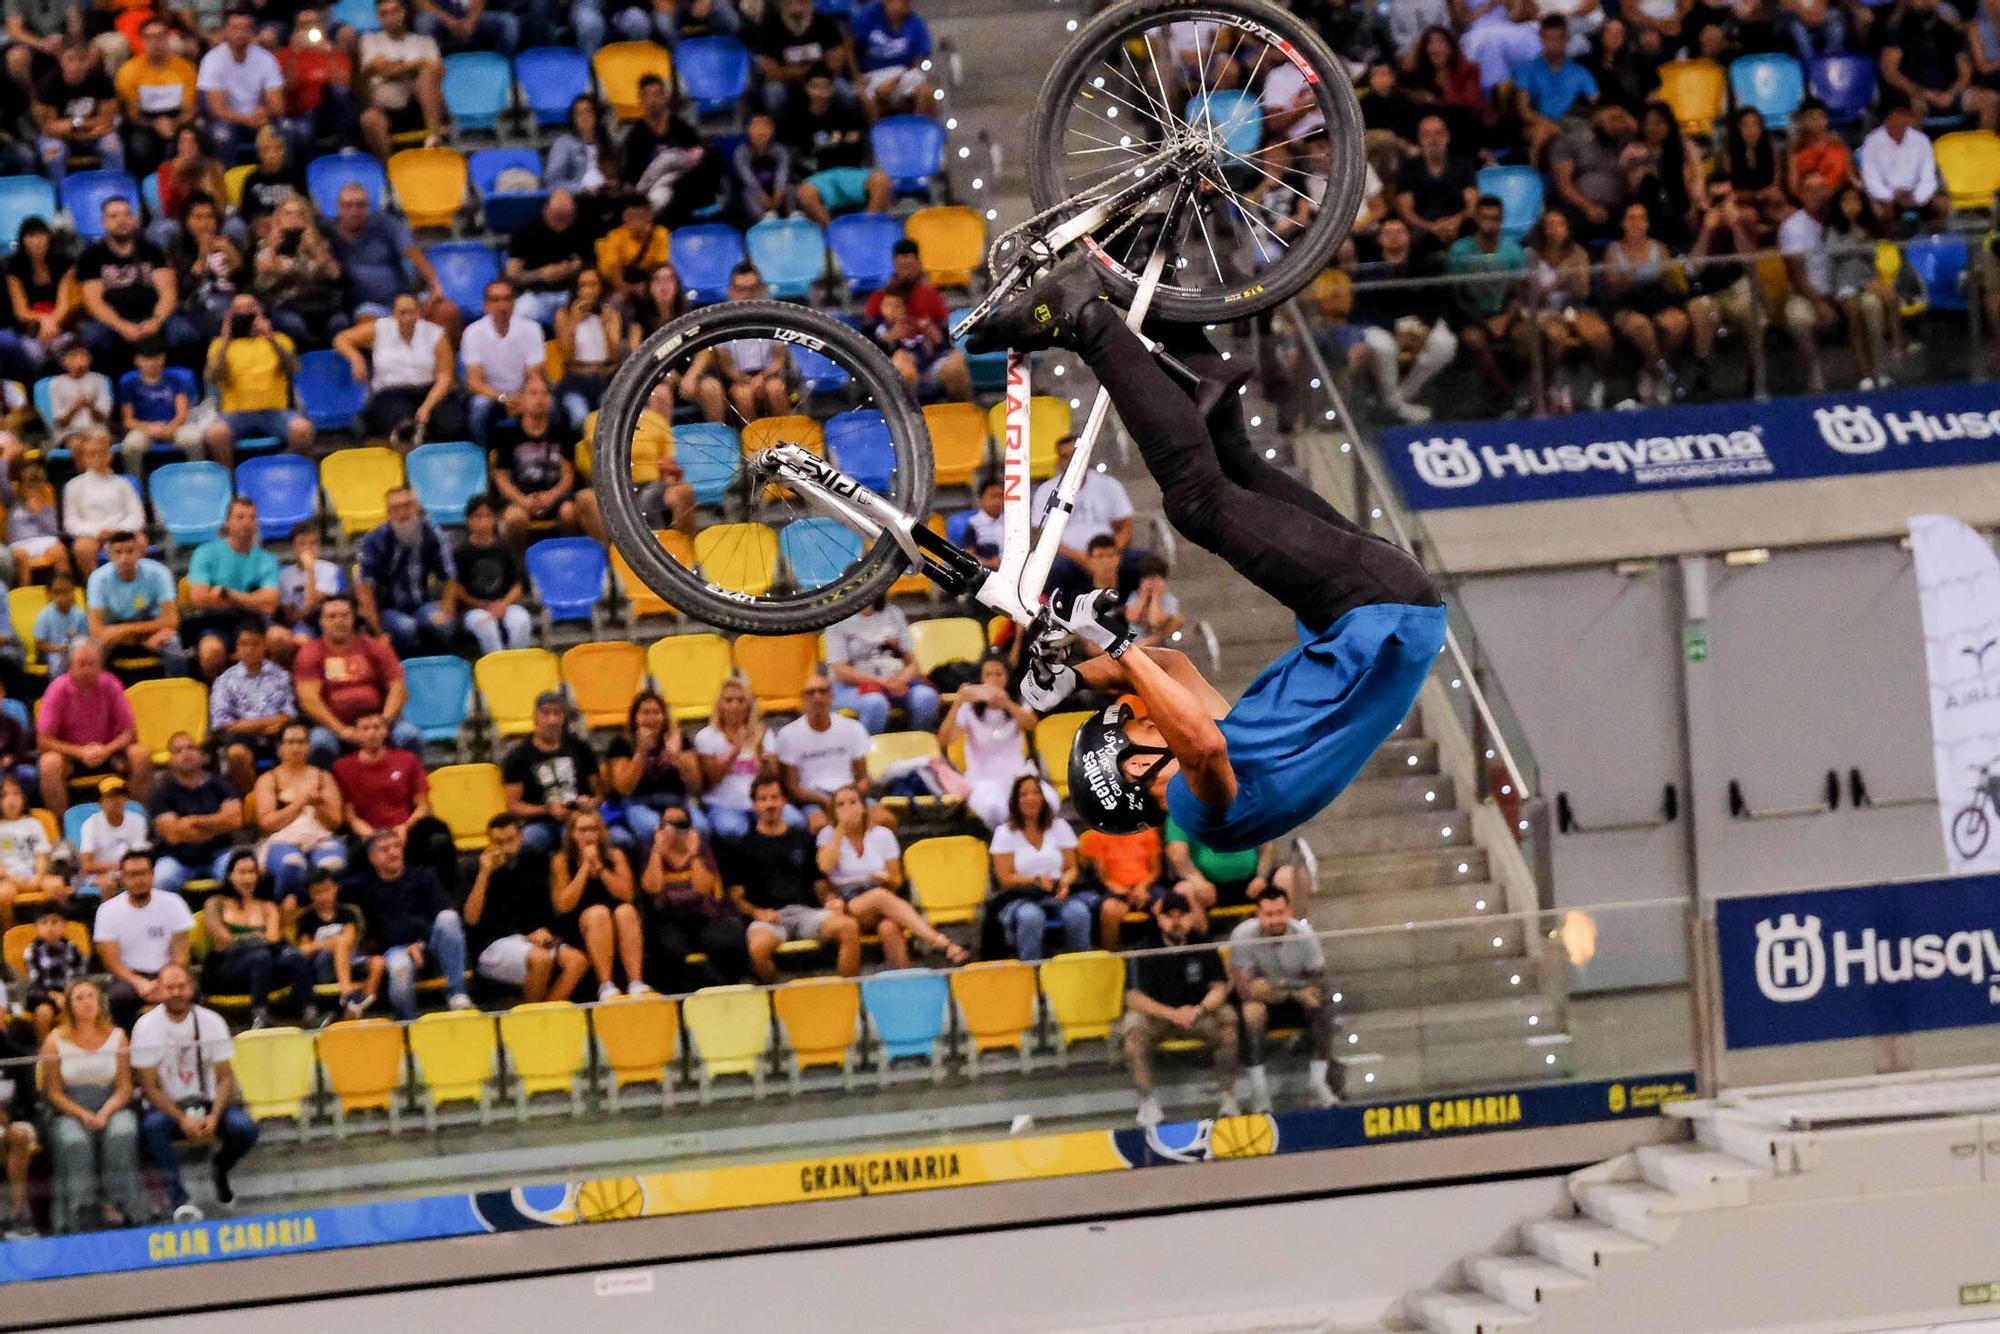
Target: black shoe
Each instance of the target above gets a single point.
(224, 1192)
(1046, 315)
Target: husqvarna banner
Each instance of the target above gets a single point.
(1958, 588)
(1452, 465)
(1861, 962)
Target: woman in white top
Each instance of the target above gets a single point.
(1035, 869)
(87, 1082)
(409, 373)
(994, 728)
(733, 749)
(865, 865)
(24, 851)
(592, 338)
(298, 809)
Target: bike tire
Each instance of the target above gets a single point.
(684, 588)
(1335, 96)
(1976, 829)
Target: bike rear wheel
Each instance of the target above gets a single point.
(1275, 201)
(752, 555)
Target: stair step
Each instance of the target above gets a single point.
(1346, 871)
(1522, 1281)
(1635, 1208)
(1402, 794)
(1412, 943)
(1699, 1176)
(1581, 1245)
(1393, 907)
(1432, 983)
(1439, 1068)
(1417, 831)
(1395, 758)
(1463, 1021)
(1467, 1313)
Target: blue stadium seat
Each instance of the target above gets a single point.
(149, 192)
(907, 1009)
(817, 550)
(910, 149)
(478, 87)
(838, 8)
(1845, 83)
(820, 373)
(860, 443)
(1773, 84)
(1939, 262)
(790, 253)
(958, 528)
(44, 405)
(286, 489)
(703, 256)
(509, 211)
(551, 77)
(357, 14)
(988, 369)
(568, 574)
(1236, 115)
(21, 198)
(84, 193)
(440, 695)
(325, 176)
(715, 72)
(73, 819)
(328, 392)
(191, 499)
(1519, 190)
(463, 269)
(17, 710)
(864, 245)
(445, 476)
(710, 454)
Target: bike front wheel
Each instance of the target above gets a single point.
(1969, 831)
(726, 544)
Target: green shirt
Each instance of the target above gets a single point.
(1507, 262)
(219, 565)
(1221, 868)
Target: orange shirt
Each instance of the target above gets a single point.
(1828, 159)
(1126, 861)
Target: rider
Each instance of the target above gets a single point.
(1370, 623)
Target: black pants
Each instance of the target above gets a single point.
(1222, 495)
(387, 410)
(669, 941)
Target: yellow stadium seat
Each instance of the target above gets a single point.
(821, 1017)
(765, 432)
(1969, 165)
(951, 242)
(645, 602)
(355, 482)
(689, 671)
(1086, 996)
(1048, 422)
(996, 1005)
(891, 748)
(509, 681)
(162, 708)
(552, 369)
(465, 797)
(547, 1045)
(363, 1060)
(742, 557)
(730, 1028)
(948, 877)
(947, 639)
(777, 667)
(14, 945)
(958, 442)
(232, 182)
(453, 1053)
(639, 1037)
(1694, 90)
(1053, 735)
(621, 65)
(913, 584)
(274, 1071)
(23, 606)
(603, 679)
(198, 951)
(429, 184)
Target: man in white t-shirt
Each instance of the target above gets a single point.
(874, 664)
(498, 351)
(405, 76)
(242, 89)
(1102, 509)
(181, 1054)
(137, 934)
(115, 828)
(1809, 308)
(821, 752)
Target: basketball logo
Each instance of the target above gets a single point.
(610, 1198)
(1242, 1137)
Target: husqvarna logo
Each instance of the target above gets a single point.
(1791, 959)
(1851, 430)
(1447, 463)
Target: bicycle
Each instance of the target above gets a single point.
(1970, 828)
(1148, 148)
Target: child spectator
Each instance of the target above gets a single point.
(153, 410)
(115, 828)
(762, 171)
(914, 345)
(53, 962)
(79, 398)
(488, 583)
(1153, 612)
(326, 944)
(34, 534)
(1127, 867)
(24, 853)
(305, 583)
(984, 531)
(97, 502)
(637, 244)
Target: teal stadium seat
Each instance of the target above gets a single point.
(478, 88)
(192, 499)
(446, 475)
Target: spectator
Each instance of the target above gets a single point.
(231, 580)
(820, 752)
(296, 274)
(510, 921)
(1035, 871)
(984, 527)
(1899, 171)
(405, 568)
(86, 729)
(326, 947)
(1486, 312)
(342, 677)
(548, 774)
(190, 172)
(1868, 302)
(303, 587)
(252, 366)
(582, 158)
(828, 141)
(299, 813)
(49, 964)
(319, 83)
(34, 537)
(182, 1055)
(1207, 878)
(138, 934)
(468, 25)
(242, 930)
(274, 177)
(1153, 612)
(864, 864)
(248, 705)
(405, 78)
(873, 662)
(1548, 89)
(499, 352)
(531, 467)
(1751, 163)
(1101, 509)
(208, 270)
(1559, 286)
(1440, 78)
(375, 254)
(156, 89)
(487, 583)
(761, 172)
(734, 750)
(1720, 275)
(892, 49)
(115, 828)
(630, 252)
(1815, 152)
(1809, 308)
(97, 503)
(749, 376)
(1179, 989)
(241, 86)
(1275, 960)
(76, 110)
(942, 366)
(412, 922)
(1586, 171)
(661, 302)
(664, 158)
(93, 1135)
(79, 398)
(1124, 871)
(1648, 314)
(410, 373)
(592, 339)
(546, 255)
(1394, 322)
(1927, 59)
(43, 291)
(994, 727)
(793, 45)
(195, 817)
(1436, 190)
(24, 854)
(650, 770)
(1627, 74)
(385, 788)
(685, 913)
(18, 1099)
(18, 755)
(153, 412)
(773, 877)
(592, 890)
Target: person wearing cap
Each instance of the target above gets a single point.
(548, 774)
(115, 828)
(1180, 989)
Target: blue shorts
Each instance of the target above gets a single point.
(841, 187)
(265, 423)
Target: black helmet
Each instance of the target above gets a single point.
(1106, 797)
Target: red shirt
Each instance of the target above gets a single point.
(308, 70)
(385, 792)
(354, 680)
(922, 301)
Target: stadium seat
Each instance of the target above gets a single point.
(1969, 167)
(621, 65)
(548, 1046)
(948, 877)
(1939, 262)
(703, 256)
(1845, 83)
(958, 442)
(689, 671)
(1048, 421)
(440, 701)
(14, 946)
(356, 14)
(638, 593)
(996, 1006)
(356, 482)
(1773, 84)
(790, 253)
(715, 72)
(1519, 190)
(24, 604)
(951, 242)
(509, 681)
(551, 77)
(446, 475)
(730, 1029)
(894, 748)
(1086, 998)
(818, 374)
(861, 446)
(821, 1020)
(638, 1038)
(863, 245)
(73, 817)
(429, 185)
(910, 149)
(478, 86)
(192, 499)
(505, 211)
(568, 577)
(463, 269)
(947, 639)
(603, 679)
(908, 1011)
(21, 198)
(465, 797)
(233, 179)
(1053, 735)
(817, 551)
(149, 195)
(1694, 90)
(363, 1061)
(989, 369)
(710, 455)
(738, 556)
(286, 489)
(776, 667)
(162, 708)
(452, 1053)
(275, 1073)
(1236, 116)
(765, 432)
(85, 192)
(325, 176)
(328, 393)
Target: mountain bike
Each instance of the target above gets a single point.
(1971, 827)
(1207, 154)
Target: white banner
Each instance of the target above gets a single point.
(1958, 587)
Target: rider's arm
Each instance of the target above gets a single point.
(1182, 705)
